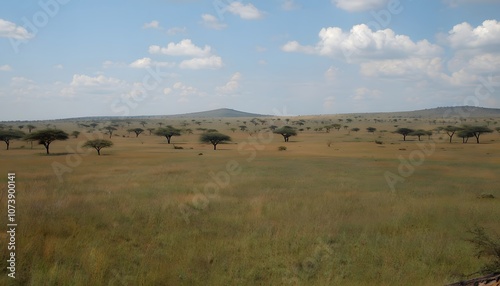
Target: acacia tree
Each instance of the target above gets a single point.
(110, 130)
(286, 132)
(47, 136)
(7, 135)
(419, 133)
(371, 129)
(337, 126)
(137, 131)
(214, 138)
(75, 134)
(465, 135)
(477, 131)
(497, 129)
(405, 132)
(168, 132)
(98, 144)
(451, 130)
(30, 127)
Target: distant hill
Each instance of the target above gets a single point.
(222, 112)
(439, 112)
(443, 112)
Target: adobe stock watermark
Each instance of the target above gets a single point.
(221, 7)
(407, 166)
(222, 179)
(74, 157)
(381, 20)
(150, 82)
(39, 20)
(310, 265)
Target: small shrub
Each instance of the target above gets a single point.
(178, 147)
(486, 196)
(282, 148)
(488, 247)
(329, 143)
(379, 142)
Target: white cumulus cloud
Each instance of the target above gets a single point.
(212, 62)
(152, 25)
(362, 43)
(84, 84)
(13, 31)
(465, 36)
(231, 86)
(5, 68)
(247, 12)
(183, 48)
(211, 22)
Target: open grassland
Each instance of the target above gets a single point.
(311, 215)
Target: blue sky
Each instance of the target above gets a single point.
(73, 58)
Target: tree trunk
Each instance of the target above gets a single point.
(7, 142)
(168, 139)
(47, 148)
(477, 137)
(215, 146)
(98, 152)
(404, 137)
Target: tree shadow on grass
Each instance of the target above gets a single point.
(54, 154)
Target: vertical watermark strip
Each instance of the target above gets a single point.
(11, 224)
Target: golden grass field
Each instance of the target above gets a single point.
(311, 215)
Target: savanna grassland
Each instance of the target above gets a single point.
(320, 212)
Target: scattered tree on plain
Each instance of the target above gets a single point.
(371, 129)
(98, 144)
(405, 132)
(137, 131)
(47, 136)
(465, 135)
(30, 127)
(7, 135)
(451, 130)
(477, 131)
(214, 138)
(419, 133)
(286, 132)
(429, 134)
(168, 132)
(110, 130)
(355, 129)
(75, 134)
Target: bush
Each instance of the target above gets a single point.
(488, 247)
(178, 147)
(379, 142)
(282, 148)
